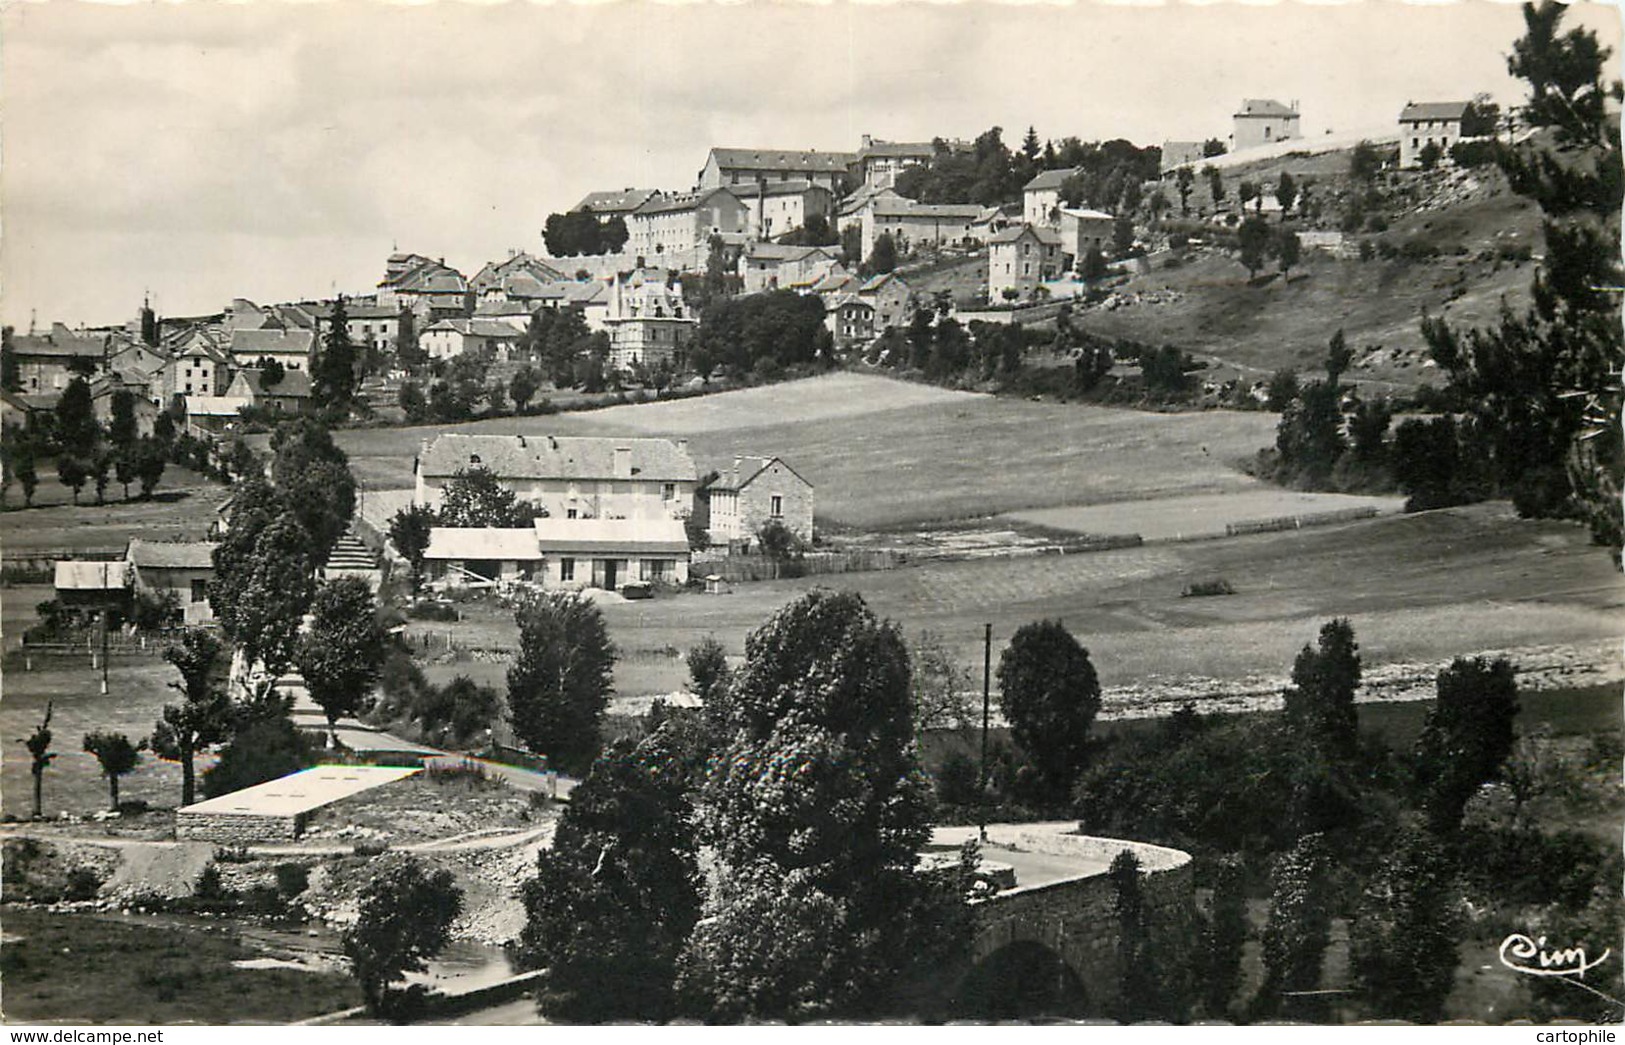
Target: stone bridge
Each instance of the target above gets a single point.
(1053, 935)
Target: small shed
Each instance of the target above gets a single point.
(93, 585)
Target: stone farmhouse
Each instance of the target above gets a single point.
(572, 477)
(450, 338)
(774, 266)
(913, 225)
(1422, 124)
(427, 287)
(752, 493)
(1264, 121)
(1082, 231)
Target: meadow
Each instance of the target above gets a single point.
(182, 508)
(885, 454)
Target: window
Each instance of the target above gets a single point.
(570, 513)
(200, 590)
(567, 569)
(776, 507)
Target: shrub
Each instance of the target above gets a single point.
(83, 884)
(291, 880)
(958, 780)
(1199, 589)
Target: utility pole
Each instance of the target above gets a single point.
(987, 672)
(106, 609)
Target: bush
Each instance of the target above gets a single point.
(958, 780)
(83, 884)
(291, 880)
(1206, 588)
(433, 610)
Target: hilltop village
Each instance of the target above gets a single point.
(941, 580)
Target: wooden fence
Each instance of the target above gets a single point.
(736, 568)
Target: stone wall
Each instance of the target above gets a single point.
(237, 829)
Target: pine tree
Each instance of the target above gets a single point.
(333, 377)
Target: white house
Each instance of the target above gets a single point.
(560, 553)
(1041, 197)
(1429, 123)
(1021, 258)
(646, 321)
(1264, 121)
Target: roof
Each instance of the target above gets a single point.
(745, 470)
(836, 280)
(28, 402)
(215, 406)
(428, 277)
(463, 543)
(1014, 234)
(794, 187)
(1088, 215)
(836, 302)
(1433, 110)
(784, 159)
(170, 555)
(787, 252)
(295, 384)
(502, 308)
(681, 202)
(482, 326)
(615, 200)
(251, 344)
(77, 575)
(57, 343)
(611, 535)
(557, 457)
(300, 792)
(904, 149)
(1265, 107)
(906, 208)
(875, 282)
(1050, 179)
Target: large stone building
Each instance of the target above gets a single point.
(743, 168)
(1021, 258)
(880, 162)
(647, 321)
(1041, 197)
(572, 477)
(683, 224)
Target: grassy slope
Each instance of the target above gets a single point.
(939, 455)
(182, 508)
(1419, 598)
(84, 968)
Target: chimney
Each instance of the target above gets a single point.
(682, 445)
(623, 462)
(867, 141)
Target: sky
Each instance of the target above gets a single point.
(281, 150)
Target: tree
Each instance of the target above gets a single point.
(560, 681)
(312, 479)
(412, 402)
(1050, 695)
(203, 716)
(1542, 388)
(1288, 248)
(617, 894)
(815, 807)
(11, 375)
(271, 371)
(1185, 182)
(1338, 357)
(1467, 737)
(522, 387)
(1094, 265)
(77, 432)
(1299, 927)
(707, 669)
(778, 542)
(1253, 240)
(1320, 701)
(475, 497)
(1281, 390)
(1309, 435)
(265, 745)
(121, 426)
(150, 462)
(1215, 184)
(340, 657)
(100, 467)
(1223, 938)
(1246, 192)
(942, 686)
(406, 918)
(1430, 156)
(1365, 162)
(883, 257)
(73, 471)
(333, 372)
(1286, 192)
(409, 532)
(23, 467)
(272, 596)
(40, 757)
(1405, 934)
(1122, 236)
(117, 757)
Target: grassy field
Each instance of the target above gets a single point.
(182, 508)
(884, 453)
(1203, 516)
(80, 968)
(1430, 587)
(138, 689)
